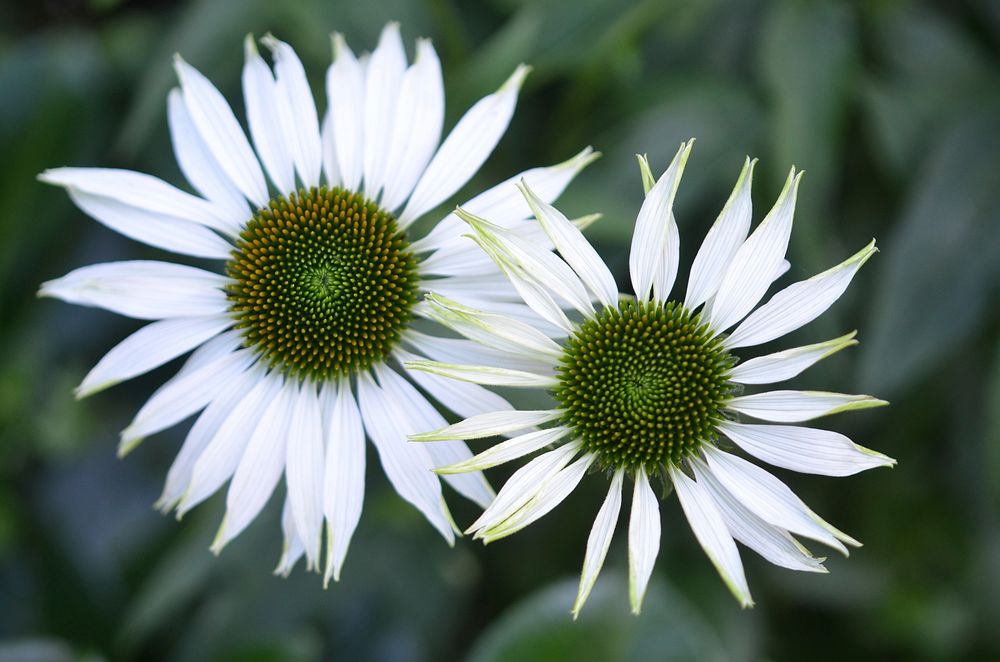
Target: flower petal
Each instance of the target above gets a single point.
(383, 79)
(485, 374)
(643, 539)
(599, 541)
(463, 398)
(304, 471)
(344, 490)
(505, 451)
(784, 365)
(799, 303)
(264, 106)
(490, 424)
(292, 548)
(795, 406)
(345, 94)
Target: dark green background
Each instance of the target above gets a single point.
(892, 108)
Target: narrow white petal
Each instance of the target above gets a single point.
(304, 466)
(345, 94)
(485, 374)
(574, 248)
(143, 289)
(786, 364)
(799, 303)
(264, 108)
(795, 406)
(722, 241)
(331, 168)
(599, 540)
(463, 398)
(771, 500)
(260, 468)
(417, 126)
(710, 530)
(408, 466)
(201, 433)
(221, 132)
(772, 542)
(292, 548)
(421, 415)
(158, 230)
(490, 424)
(462, 351)
(150, 347)
(200, 167)
(298, 113)
(383, 79)
(752, 269)
(344, 489)
(643, 539)
(806, 450)
(655, 251)
(182, 396)
(553, 492)
(465, 149)
(221, 345)
(506, 451)
(226, 446)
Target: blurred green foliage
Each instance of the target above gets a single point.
(891, 106)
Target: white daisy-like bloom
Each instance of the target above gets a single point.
(652, 388)
(299, 336)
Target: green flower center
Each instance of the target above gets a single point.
(643, 384)
(324, 283)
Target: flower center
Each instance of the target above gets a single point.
(324, 283)
(643, 384)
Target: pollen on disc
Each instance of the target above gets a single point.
(643, 384)
(324, 283)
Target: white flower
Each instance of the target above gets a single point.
(298, 347)
(649, 387)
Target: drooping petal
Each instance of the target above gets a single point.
(304, 464)
(143, 289)
(506, 451)
(752, 269)
(462, 351)
(795, 406)
(383, 78)
(292, 549)
(463, 398)
(465, 149)
(643, 539)
(264, 107)
(655, 251)
(345, 94)
(490, 424)
(722, 241)
(344, 490)
(799, 303)
(150, 347)
(710, 530)
(599, 540)
(786, 364)
(485, 374)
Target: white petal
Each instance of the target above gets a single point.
(643, 539)
(490, 424)
(599, 540)
(421, 415)
(182, 396)
(485, 374)
(504, 205)
(553, 492)
(462, 351)
(463, 398)
(304, 471)
(574, 248)
(799, 303)
(200, 167)
(710, 530)
(407, 465)
(344, 490)
(752, 269)
(655, 251)
(383, 79)
(345, 94)
(772, 542)
(806, 450)
(143, 289)
(264, 108)
(298, 113)
(722, 241)
(784, 365)
(150, 347)
(201, 433)
(331, 168)
(417, 126)
(226, 447)
(158, 230)
(506, 451)
(222, 133)
(292, 549)
(260, 468)
(465, 149)
(795, 406)
(771, 500)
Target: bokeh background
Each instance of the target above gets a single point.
(893, 109)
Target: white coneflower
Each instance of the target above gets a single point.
(298, 339)
(651, 388)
